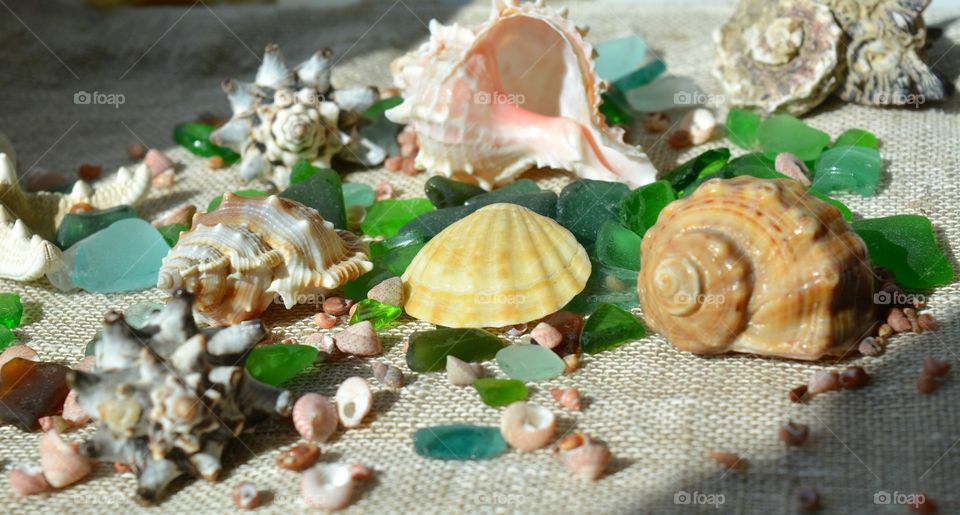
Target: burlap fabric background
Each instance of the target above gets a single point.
(659, 410)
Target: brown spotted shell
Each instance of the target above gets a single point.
(757, 266)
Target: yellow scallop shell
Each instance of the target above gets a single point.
(757, 266)
(500, 266)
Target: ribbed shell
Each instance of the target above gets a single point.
(758, 266)
(500, 266)
(237, 257)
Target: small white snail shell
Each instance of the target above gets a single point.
(527, 427)
(315, 417)
(354, 401)
(327, 486)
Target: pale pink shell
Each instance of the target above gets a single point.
(327, 486)
(315, 417)
(61, 462)
(354, 401)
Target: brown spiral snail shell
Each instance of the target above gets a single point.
(756, 266)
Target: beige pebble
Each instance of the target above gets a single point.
(898, 321)
(165, 180)
(393, 163)
(823, 381)
(461, 373)
(700, 123)
(546, 335)
(656, 123)
(388, 375)
(61, 462)
(569, 398)
(73, 413)
(384, 190)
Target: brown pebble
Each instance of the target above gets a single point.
(360, 472)
(567, 397)
(136, 151)
(121, 468)
(935, 367)
(898, 321)
(336, 306)
(246, 496)
(885, 331)
(215, 163)
(393, 163)
(807, 500)
(798, 394)
(89, 172)
(927, 322)
(794, 434)
(680, 140)
(823, 381)
(869, 346)
(299, 457)
(854, 377)
(81, 207)
(926, 383)
(409, 167)
(388, 92)
(324, 320)
(923, 504)
(728, 460)
(656, 123)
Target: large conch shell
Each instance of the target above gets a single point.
(168, 398)
(500, 266)
(516, 92)
(286, 115)
(237, 258)
(757, 266)
(28, 256)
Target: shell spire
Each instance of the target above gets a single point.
(757, 266)
(237, 258)
(517, 92)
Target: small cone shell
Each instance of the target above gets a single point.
(502, 265)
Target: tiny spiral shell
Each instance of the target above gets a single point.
(239, 256)
(758, 266)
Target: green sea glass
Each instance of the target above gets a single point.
(77, 226)
(459, 442)
(215, 203)
(706, 163)
(665, 94)
(432, 223)
(514, 188)
(785, 133)
(609, 284)
(6, 337)
(906, 245)
(640, 77)
(609, 327)
(857, 137)
(844, 210)
(613, 110)
(848, 168)
(397, 260)
(137, 315)
(529, 363)
(641, 207)
(357, 289)
(323, 191)
(742, 127)
(501, 392)
(195, 137)
(358, 194)
(618, 246)
(585, 204)
(380, 315)
(276, 364)
(428, 350)
(171, 233)
(444, 192)
(11, 310)
(125, 256)
(385, 218)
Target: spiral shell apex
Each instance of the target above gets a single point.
(757, 266)
(238, 257)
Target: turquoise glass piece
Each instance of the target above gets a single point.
(785, 133)
(380, 315)
(848, 168)
(195, 137)
(529, 363)
(459, 442)
(277, 364)
(742, 127)
(137, 315)
(609, 327)
(641, 207)
(609, 284)
(584, 205)
(123, 257)
(618, 57)
(706, 163)
(907, 246)
(77, 226)
(11, 310)
(215, 203)
(641, 76)
(618, 246)
(665, 94)
(385, 218)
(358, 194)
(857, 137)
(323, 191)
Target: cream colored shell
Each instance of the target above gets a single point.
(757, 266)
(500, 266)
(516, 92)
(239, 257)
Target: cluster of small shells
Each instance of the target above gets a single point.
(789, 55)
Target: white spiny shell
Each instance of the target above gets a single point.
(28, 256)
(237, 258)
(518, 91)
(758, 266)
(502, 265)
